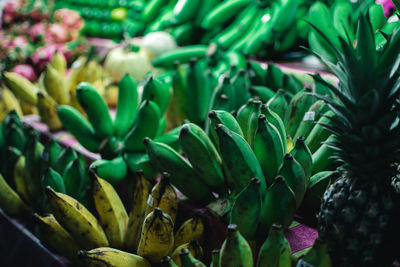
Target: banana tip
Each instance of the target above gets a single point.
(185, 129)
(232, 228)
(212, 114)
(81, 253)
(146, 141)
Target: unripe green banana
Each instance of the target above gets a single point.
(298, 106)
(275, 251)
(256, 72)
(246, 209)
(183, 176)
(183, 34)
(241, 84)
(113, 171)
(96, 109)
(225, 118)
(274, 77)
(303, 155)
(127, 105)
(47, 109)
(146, 124)
(278, 103)
(203, 156)
(244, 114)
(178, 108)
(253, 123)
(187, 259)
(170, 138)
(224, 95)
(15, 137)
(166, 261)
(151, 10)
(239, 159)
(268, 149)
(322, 157)
(279, 206)
(317, 256)
(235, 251)
(34, 163)
(54, 180)
(222, 13)
(215, 258)
(198, 95)
(66, 156)
(75, 179)
(313, 114)
(51, 152)
(158, 92)
(295, 177)
(181, 54)
(185, 10)
(275, 120)
(261, 92)
(342, 14)
(319, 134)
(79, 127)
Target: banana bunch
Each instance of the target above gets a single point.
(54, 88)
(9, 102)
(340, 19)
(28, 166)
(119, 140)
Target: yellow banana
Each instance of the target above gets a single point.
(190, 229)
(163, 196)
(111, 257)
(111, 95)
(141, 192)
(55, 86)
(157, 239)
(193, 246)
(28, 109)
(54, 236)
(59, 63)
(112, 213)
(77, 220)
(10, 102)
(48, 111)
(10, 201)
(21, 180)
(22, 87)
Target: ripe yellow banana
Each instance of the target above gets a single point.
(112, 213)
(163, 196)
(55, 86)
(48, 111)
(141, 192)
(193, 246)
(193, 228)
(21, 180)
(10, 201)
(54, 236)
(157, 239)
(106, 256)
(10, 102)
(21, 87)
(59, 63)
(77, 220)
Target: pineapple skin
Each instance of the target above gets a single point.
(360, 223)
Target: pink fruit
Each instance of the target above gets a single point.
(56, 33)
(37, 31)
(43, 55)
(26, 71)
(387, 5)
(69, 18)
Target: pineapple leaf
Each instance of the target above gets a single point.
(396, 4)
(365, 46)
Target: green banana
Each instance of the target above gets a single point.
(377, 16)
(79, 127)
(181, 54)
(246, 209)
(136, 161)
(268, 148)
(256, 72)
(342, 14)
(225, 118)
(298, 106)
(151, 10)
(158, 92)
(235, 251)
(215, 258)
(113, 171)
(295, 177)
(51, 152)
(65, 157)
(15, 137)
(183, 176)
(203, 155)
(239, 159)
(318, 133)
(222, 13)
(278, 103)
(274, 77)
(34, 163)
(224, 96)
(317, 256)
(275, 120)
(185, 10)
(198, 95)
(75, 179)
(241, 84)
(170, 138)
(262, 92)
(166, 261)
(146, 124)
(252, 124)
(127, 105)
(54, 180)
(243, 115)
(279, 206)
(187, 259)
(303, 155)
(275, 251)
(322, 157)
(313, 114)
(96, 109)
(246, 37)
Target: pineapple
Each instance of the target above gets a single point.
(359, 217)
